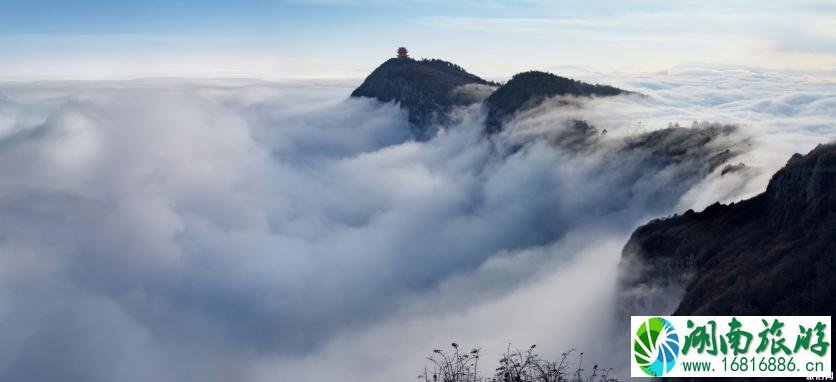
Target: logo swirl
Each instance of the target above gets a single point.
(656, 346)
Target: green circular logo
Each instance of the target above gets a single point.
(656, 346)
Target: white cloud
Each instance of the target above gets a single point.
(250, 230)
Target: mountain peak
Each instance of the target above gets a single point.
(528, 89)
(430, 88)
(425, 88)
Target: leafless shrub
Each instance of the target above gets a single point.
(514, 366)
(454, 366)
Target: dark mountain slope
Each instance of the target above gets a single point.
(529, 89)
(424, 88)
(774, 254)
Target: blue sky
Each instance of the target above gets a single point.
(334, 38)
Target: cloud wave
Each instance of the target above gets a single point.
(247, 230)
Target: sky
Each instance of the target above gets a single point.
(271, 39)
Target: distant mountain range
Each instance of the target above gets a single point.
(774, 254)
(430, 89)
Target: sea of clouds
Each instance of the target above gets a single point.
(238, 230)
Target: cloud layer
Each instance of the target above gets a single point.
(246, 230)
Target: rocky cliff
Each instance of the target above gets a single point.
(774, 254)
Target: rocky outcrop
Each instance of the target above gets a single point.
(427, 89)
(430, 89)
(774, 254)
(529, 89)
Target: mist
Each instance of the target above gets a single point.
(215, 230)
